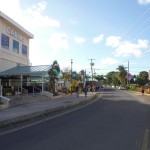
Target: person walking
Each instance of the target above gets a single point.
(142, 90)
(85, 91)
(77, 91)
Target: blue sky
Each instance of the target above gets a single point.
(112, 32)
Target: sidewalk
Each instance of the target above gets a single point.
(145, 99)
(29, 111)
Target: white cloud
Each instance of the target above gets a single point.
(59, 41)
(127, 48)
(34, 16)
(80, 40)
(31, 17)
(113, 41)
(143, 2)
(108, 61)
(97, 39)
(143, 44)
(11, 8)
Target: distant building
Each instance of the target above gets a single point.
(14, 44)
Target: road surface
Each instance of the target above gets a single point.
(117, 121)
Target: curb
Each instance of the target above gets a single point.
(45, 113)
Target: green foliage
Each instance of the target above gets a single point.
(142, 78)
(112, 79)
(66, 90)
(134, 88)
(99, 77)
(54, 75)
(73, 85)
(121, 75)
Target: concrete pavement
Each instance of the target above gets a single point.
(29, 111)
(33, 110)
(141, 98)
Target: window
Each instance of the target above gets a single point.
(5, 41)
(15, 46)
(24, 50)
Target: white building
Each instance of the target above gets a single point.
(14, 44)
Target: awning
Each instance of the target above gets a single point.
(90, 80)
(26, 70)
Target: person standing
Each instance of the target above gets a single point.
(142, 90)
(85, 91)
(77, 91)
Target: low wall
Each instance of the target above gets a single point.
(5, 102)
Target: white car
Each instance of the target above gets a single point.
(121, 88)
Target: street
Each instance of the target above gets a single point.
(117, 121)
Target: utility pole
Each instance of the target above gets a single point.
(71, 74)
(84, 78)
(92, 64)
(128, 75)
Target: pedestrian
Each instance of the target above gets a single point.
(142, 90)
(77, 91)
(85, 91)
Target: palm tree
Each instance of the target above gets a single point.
(121, 75)
(54, 75)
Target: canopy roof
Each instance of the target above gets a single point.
(90, 80)
(26, 70)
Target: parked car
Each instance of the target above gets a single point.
(121, 88)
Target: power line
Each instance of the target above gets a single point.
(142, 32)
(132, 25)
(139, 27)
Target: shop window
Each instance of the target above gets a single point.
(24, 50)
(15, 46)
(5, 41)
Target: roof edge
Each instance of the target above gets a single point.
(16, 24)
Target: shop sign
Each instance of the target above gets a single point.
(15, 34)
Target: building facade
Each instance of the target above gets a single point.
(14, 44)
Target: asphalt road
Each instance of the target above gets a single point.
(117, 121)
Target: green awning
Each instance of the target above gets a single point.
(90, 80)
(26, 70)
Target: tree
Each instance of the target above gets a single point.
(122, 74)
(54, 74)
(66, 74)
(142, 78)
(99, 77)
(112, 79)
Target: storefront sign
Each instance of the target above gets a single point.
(15, 34)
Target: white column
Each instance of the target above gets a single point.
(10, 82)
(21, 78)
(0, 88)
